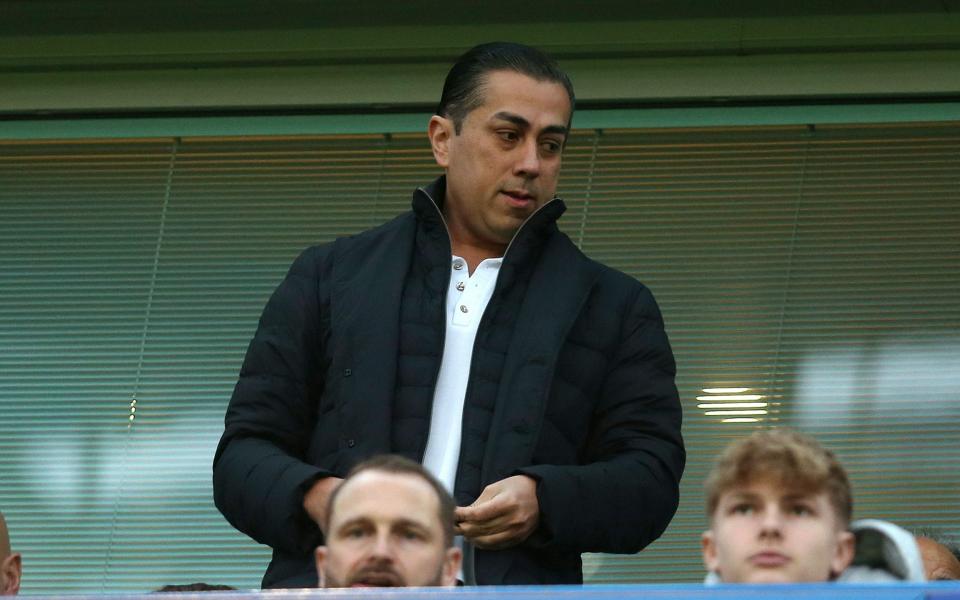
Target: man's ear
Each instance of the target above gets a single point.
(12, 568)
(451, 566)
(846, 548)
(320, 558)
(440, 131)
(708, 545)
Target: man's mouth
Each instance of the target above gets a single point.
(377, 579)
(769, 559)
(518, 198)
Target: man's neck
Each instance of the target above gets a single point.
(468, 246)
(475, 254)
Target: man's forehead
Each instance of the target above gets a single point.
(393, 519)
(522, 122)
(512, 92)
(381, 493)
(772, 488)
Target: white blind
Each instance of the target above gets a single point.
(817, 267)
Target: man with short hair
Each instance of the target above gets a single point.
(389, 524)
(779, 505)
(10, 563)
(473, 336)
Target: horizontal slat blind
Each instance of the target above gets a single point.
(78, 229)
(238, 212)
(815, 266)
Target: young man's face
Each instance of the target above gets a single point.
(385, 531)
(763, 532)
(505, 162)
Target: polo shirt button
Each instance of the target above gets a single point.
(464, 309)
(457, 265)
(351, 443)
(347, 372)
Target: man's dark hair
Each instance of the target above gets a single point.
(398, 465)
(463, 88)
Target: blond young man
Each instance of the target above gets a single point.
(779, 506)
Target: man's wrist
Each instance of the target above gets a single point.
(317, 497)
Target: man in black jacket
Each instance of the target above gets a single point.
(470, 335)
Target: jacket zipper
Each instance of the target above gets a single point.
(469, 556)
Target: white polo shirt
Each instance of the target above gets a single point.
(467, 298)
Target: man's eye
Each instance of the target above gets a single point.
(801, 510)
(411, 535)
(742, 509)
(508, 135)
(551, 146)
(356, 532)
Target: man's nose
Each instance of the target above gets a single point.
(771, 522)
(382, 546)
(528, 162)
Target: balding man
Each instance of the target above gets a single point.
(389, 524)
(939, 560)
(10, 566)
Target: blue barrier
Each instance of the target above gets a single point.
(821, 591)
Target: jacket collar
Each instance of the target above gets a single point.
(535, 230)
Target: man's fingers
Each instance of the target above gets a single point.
(507, 535)
(482, 511)
(504, 515)
(497, 541)
(461, 514)
(471, 529)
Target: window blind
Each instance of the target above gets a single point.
(807, 275)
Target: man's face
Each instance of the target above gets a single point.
(504, 163)
(938, 563)
(385, 531)
(765, 533)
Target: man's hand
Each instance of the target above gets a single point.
(316, 498)
(504, 515)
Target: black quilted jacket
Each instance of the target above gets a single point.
(572, 383)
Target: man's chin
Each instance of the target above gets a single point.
(770, 576)
(377, 580)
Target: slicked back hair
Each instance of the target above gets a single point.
(787, 458)
(463, 90)
(398, 465)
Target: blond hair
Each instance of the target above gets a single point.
(786, 457)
